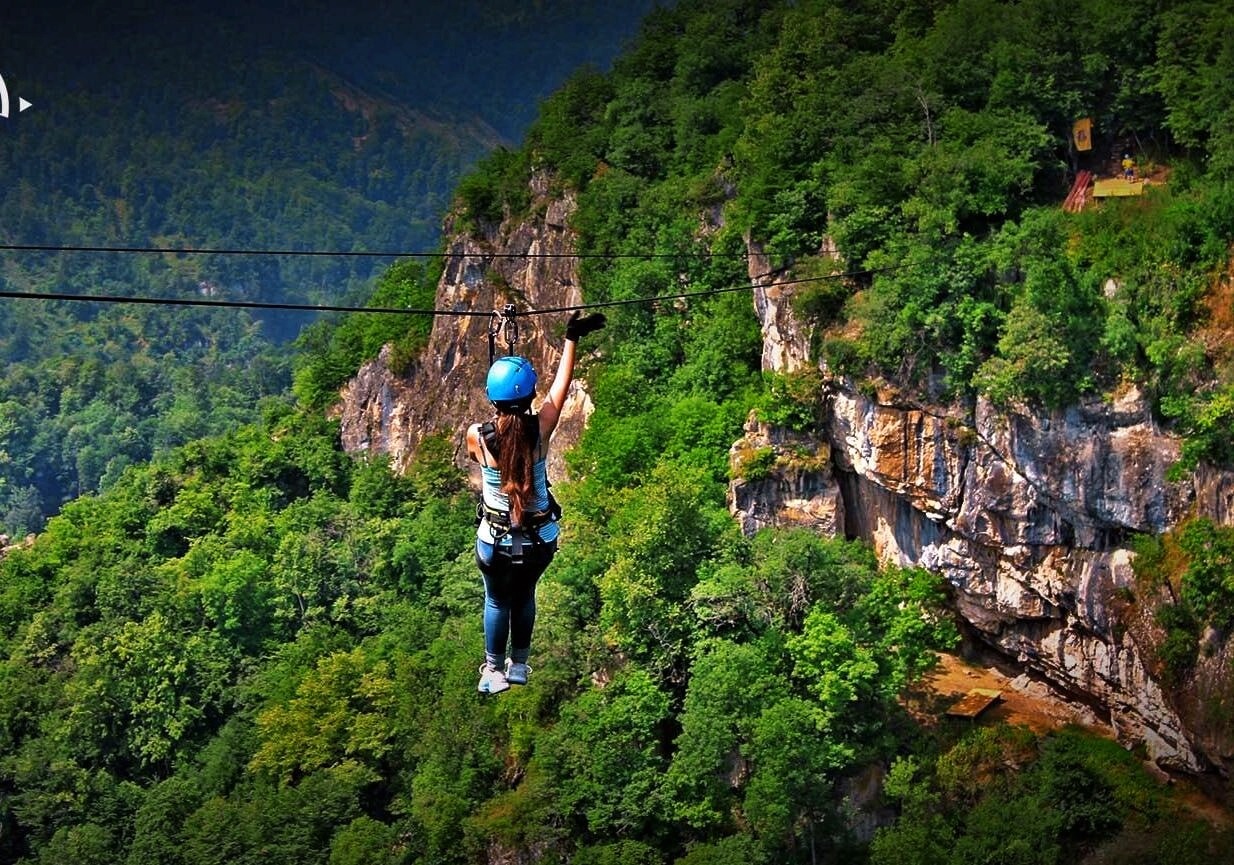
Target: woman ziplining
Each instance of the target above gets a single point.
(517, 534)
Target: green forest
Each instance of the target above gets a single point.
(256, 648)
(222, 126)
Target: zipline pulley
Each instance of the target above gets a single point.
(505, 324)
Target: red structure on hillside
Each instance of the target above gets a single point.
(1079, 194)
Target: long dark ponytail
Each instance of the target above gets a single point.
(518, 434)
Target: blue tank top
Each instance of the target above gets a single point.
(499, 501)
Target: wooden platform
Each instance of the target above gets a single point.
(974, 703)
(1117, 187)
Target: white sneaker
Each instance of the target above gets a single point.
(516, 673)
(492, 680)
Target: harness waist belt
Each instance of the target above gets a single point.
(532, 520)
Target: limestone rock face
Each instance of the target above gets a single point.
(786, 343)
(796, 488)
(1028, 516)
(7, 545)
(527, 262)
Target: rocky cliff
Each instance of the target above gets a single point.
(525, 261)
(1028, 516)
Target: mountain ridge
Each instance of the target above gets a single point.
(234, 126)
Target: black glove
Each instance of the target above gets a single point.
(578, 327)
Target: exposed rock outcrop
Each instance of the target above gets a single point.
(794, 484)
(525, 261)
(7, 545)
(1028, 516)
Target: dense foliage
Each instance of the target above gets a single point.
(1191, 571)
(233, 126)
(929, 145)
(1001, 794)
(83, 395)
(258, 649)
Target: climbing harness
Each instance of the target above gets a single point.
(521, 536)
(528, 529)
(505, 324)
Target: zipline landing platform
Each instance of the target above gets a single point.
(1117, 187)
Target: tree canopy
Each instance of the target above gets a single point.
(255, 648)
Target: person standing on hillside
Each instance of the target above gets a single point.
(517, 535)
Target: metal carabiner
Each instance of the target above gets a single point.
(509, 318)
(504, 323)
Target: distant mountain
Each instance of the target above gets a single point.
(317, 125)
(270, 125)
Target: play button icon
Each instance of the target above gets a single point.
(22, 104)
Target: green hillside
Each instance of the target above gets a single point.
(236, 126)
(257, 649)
(930, 145)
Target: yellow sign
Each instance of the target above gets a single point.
(1082, 133)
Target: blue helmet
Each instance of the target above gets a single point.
(511, 380)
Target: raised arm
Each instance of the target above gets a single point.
(474, 448)
(555, 399)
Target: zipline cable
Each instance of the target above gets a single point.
(348, 253)
(385, 310)
(240, 304)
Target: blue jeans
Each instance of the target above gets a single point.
(510, 599)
